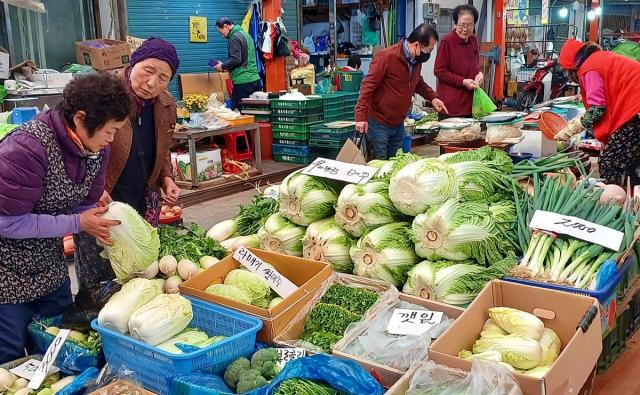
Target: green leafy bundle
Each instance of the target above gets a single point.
(254, 215)
(190, 242)
(356, 300)
(305, 387)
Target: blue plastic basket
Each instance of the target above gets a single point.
(154, 366)
(606, 295)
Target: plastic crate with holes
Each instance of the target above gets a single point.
(525, 74)
(309, 103)
(297, 120)
(153, 365)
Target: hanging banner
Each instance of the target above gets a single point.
(198, 29)
(517, 12)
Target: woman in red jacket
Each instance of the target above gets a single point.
(457, 66)
(608, 83)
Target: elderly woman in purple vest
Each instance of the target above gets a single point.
(52, 173)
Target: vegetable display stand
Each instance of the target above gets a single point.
(307, 275)
(606, 296)
(154, 365)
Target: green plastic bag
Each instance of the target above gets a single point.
(482, 104)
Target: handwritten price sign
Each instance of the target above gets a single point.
(341, 171)
(578, 228)
(289, 354)
(49, 358)
(409, 322)
(277, 281)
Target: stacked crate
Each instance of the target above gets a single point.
(332, 104)
(292, 121)
(260, 109)
(327, 139)
(349, 101)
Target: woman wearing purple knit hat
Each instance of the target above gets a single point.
(139, 170)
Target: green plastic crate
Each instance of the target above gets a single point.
(290, 136)
(350, 80)
(326, 143)
(332, 98)
(336, 128)
(325, 152)
(292, 127)
(300, 160)
(290, 142)
(307, 119)
(297, 104)
(295, 112)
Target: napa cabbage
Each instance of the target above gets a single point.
(305, 199)
(136, 293)
(162, 318)
(278, 234)
(325, 241)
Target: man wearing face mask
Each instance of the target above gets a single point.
(386, 92)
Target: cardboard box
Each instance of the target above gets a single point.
(204, 84)
(4, 64)
(560, 311)
(103, 54)
(306, 274)
(52, 80)
(116, 72)
(389, 375)
(209, 165)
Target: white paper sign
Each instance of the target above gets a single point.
(341, 171)
(578, 228)
(49, 358)
(409, 322)
(277, 281)
(28, 369)
(289, 354)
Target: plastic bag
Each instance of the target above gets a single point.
(72, 358)
(80, 383)
(290, 336)
(499, 132)
(369, 339)
(118, 381)
(468, 133)
(199, 384)
(482, 104)
(343, 375)
(485, 378)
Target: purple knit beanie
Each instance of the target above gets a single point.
(156, 48)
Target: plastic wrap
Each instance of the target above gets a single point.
(289, 337)
(79, 384)
(499, 132)
(72, 358)
(486, 378)
(369, 339)
(200, 384)
(468, 133)
(121, 381)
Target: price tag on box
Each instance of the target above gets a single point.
(279, 283)
(341, 171)
(28, 369)
(289, 354)
(409, 322)
(578, 228)
(49, 358)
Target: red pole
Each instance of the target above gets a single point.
(275, 68)
(499, 39)
(594, 24)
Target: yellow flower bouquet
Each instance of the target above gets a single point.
(195, 103)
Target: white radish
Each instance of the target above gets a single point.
(150, 272)
(208, 261)
(20, 383)
(187, 269)
(160, 282)
(222, 230)
(23, 391)
(171, 285)
(168, 265)
(6, 380)
(247, 241)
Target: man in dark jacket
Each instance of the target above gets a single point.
(242, 61)
(386, 92)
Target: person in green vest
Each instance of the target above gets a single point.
(242, 61)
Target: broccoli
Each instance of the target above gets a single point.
(250, 380)
(235, 370)
(266, 361)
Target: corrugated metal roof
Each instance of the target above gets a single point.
(169, 19)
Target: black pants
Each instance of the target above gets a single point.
(242, 91)
(621, 156)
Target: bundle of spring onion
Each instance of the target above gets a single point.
(553, 163)
(560, 258)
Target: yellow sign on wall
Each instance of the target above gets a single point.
(198, 29)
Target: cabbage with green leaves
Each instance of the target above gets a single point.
(386, 253)
(278, 234)
(458, 231)
(325, 241)
(422, 184)
(136, 243)
(390, 167)
(551, 344)
(517, 321)
(161, 319)
(452, 282)
(362, 208)
(136, 293)
(230, 292)
(521, 352)
(305, 199)
(255, 286)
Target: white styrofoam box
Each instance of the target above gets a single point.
(536, 144)
(52, 80)
(209, 165)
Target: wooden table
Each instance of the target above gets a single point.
(193, 135)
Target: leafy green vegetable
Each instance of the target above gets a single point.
(235, 370)
(355, 299)
(305, 387)
(518, 351)
(189, 336)
(190, 242)
(230, 292)
(136, 293)
(254, 215)
(305, 199)
(253, 285)
(329, 318)
(250, 380)
(266, 361)
(324, 241)
(280, 235)
(323, 340)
